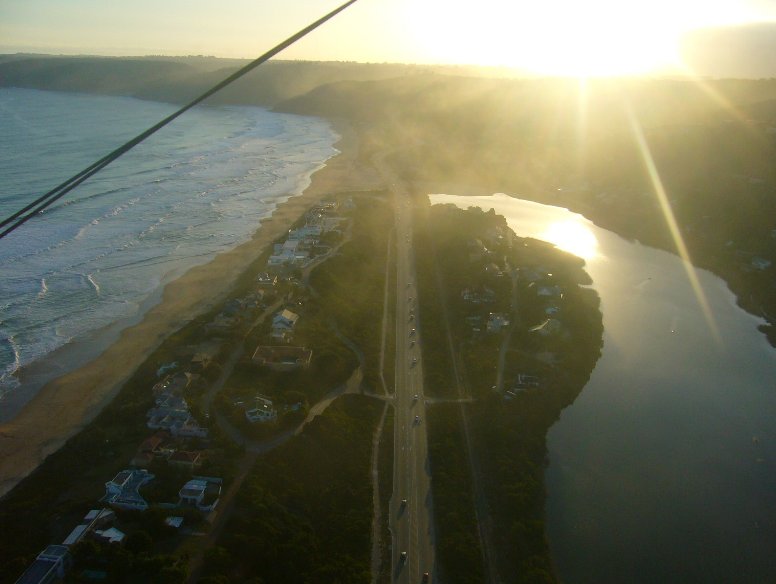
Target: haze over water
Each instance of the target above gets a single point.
(663, 469)
(197, 188)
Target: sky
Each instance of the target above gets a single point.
(564, 37)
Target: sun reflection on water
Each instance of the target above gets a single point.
(573, 237)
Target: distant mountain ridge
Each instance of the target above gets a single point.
(178, 80)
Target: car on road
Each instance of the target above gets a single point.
(412, 332)
(403, 503)
(425, 579)
(415, 397)
(417, 419)
(412, 344)
(403, 557)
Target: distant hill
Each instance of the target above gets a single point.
(180, 79)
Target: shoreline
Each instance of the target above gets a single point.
(64, 405)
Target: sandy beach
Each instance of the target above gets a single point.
(66, 404)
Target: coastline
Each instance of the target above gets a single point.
(66, 404)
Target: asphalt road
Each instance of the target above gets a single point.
(411, 522)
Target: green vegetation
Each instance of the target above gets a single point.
(385, 486)
(437, 364)
(457, 540)
(483, 268)
(350, 286)
(304, 513)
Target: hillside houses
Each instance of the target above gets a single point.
(298, 248)
(171, 412)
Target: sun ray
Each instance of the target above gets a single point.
(673, 226)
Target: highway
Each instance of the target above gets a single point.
(411, 506)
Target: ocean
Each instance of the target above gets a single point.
(94, 259)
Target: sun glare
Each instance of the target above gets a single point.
(573, 237)
(577, 39)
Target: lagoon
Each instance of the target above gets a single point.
(663, 470)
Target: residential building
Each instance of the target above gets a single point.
(266, 280)
(496, 322)
(51, 565)
(283, 324)
(123, 491)
(185, 459)
(282, 358)
(202, 493)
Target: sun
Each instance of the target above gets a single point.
(579, 39)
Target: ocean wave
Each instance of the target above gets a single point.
(178, 201)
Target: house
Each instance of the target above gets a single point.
(283, 324)
(549, 291)
(189, 428)
(496, 322)
(266, 280)
(153, 444)
(123, 490)
(174, 384)
(525, 381)
(263, 412)
(305, 232)
(174, 522)
(222, 323)
(94, 521)
(51, 565)
(200, 361)
(282, 358)
(141, 459)
(202, 493)
(483, 296)
(492, 269)
(171, 402)
(167, 420)
(185, 459)
(111, 535)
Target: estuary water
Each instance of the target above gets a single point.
(96, 258)
(664, 468)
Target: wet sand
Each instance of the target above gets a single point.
(66, 404)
